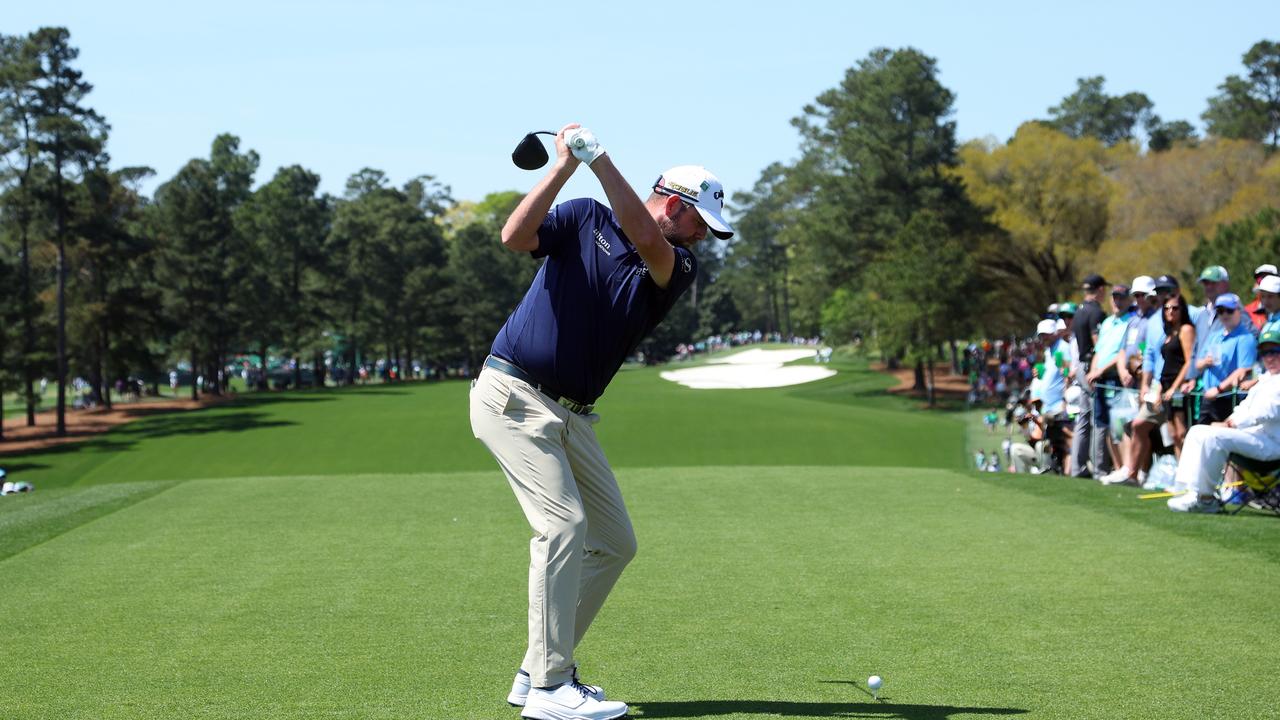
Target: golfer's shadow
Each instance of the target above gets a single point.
(881, 709)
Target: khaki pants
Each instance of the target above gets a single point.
(582, 536)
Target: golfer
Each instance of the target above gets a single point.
(610, 276)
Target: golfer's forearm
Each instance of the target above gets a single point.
(635, 220)
(521, 230)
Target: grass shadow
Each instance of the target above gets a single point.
(785, 708)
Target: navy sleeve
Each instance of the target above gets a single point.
(560, 228)
(683, 273)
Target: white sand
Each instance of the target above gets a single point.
(751, 369)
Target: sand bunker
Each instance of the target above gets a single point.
(751, 369)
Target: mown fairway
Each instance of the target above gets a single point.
(355, 554)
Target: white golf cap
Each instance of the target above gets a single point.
(1047, 327)
(1060, 324)
(1270, 283)
(701, 189)
(1144, 284)
(1266, 270)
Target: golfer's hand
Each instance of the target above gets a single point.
(563, 156)
(584, 145)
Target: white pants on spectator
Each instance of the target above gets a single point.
(1204, 454)
(1026, 457)
(1023, 456)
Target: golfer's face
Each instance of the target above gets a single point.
(689, 227)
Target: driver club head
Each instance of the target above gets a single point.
(530, 154)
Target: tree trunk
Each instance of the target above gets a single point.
(932, 398)
(195, 376)
(61, 430)
(919, 382)
(955, 358)
(264, 382)
(28, 330)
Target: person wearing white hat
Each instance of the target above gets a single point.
(611, 275)
(1265, 308)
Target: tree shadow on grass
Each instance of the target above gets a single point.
(196, 424)
(125, 437)
(881, 709)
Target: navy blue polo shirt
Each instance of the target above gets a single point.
(590, 304)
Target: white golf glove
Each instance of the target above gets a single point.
(583, 144)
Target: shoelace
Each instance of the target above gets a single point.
(583, 690)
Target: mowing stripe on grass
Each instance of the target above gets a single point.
(772, 590)
(28, 520)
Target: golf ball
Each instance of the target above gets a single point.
(874, 682)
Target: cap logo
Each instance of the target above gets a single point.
(682, 189)
(705, 185)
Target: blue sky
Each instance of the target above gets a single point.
(448, 89)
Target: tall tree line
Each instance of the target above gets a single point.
(883, 213)
(103, 283)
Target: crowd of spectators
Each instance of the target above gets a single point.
(1150, 390)
(713, 343)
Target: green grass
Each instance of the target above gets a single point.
(355, 554)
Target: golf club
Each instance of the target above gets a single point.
(530, 154)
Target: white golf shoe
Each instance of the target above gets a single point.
(570, 701)
(1116, 477)
(1192, 502)
(520, 688)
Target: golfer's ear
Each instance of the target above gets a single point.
(672, 205)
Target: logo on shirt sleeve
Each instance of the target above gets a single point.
(687, 263)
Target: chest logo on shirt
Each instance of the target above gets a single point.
(601, 242)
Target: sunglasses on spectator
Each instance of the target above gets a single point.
(1226, 310)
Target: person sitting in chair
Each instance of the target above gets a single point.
(1253, 430)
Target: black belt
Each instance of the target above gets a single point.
(507, 368)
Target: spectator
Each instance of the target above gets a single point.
(1085, 332)
(1255, 312)
(1268, 292)
(1228, 359)
(1031, 456)
(1135, 334)
(1104, 377)
(1214, 281)
(1252, 430)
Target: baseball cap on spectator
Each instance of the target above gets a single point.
(1166, 282)
(1060, 324)
(1047, 327)
(1266, 270)
(1093, 282)
(1144, 284)
(1053, 308)
(1068, 308)
(1268, 284)
(1214, 273)
(1227, 300)
(1269, 337)
(1120, 290)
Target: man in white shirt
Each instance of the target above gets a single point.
(1252, 430)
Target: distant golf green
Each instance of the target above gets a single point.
(356, 554)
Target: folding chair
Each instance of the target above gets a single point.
(1259, 485)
